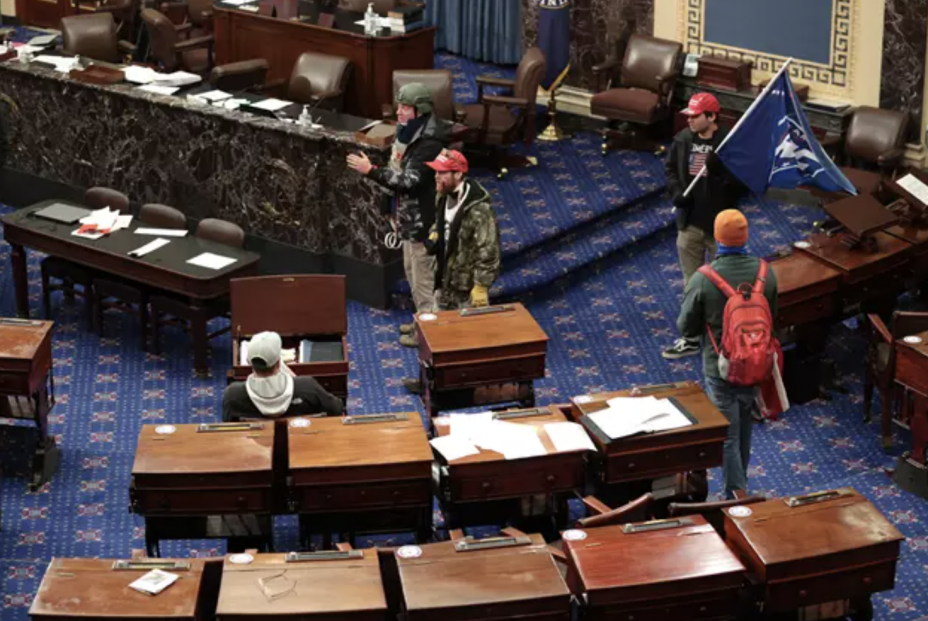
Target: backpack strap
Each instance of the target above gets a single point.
(761, 279)
(716, 279)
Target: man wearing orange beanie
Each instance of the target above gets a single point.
(703, 307)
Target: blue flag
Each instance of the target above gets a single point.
(774, 146)
(554, 39)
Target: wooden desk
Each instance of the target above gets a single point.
(488, 488)
(198, 484)
(27, 386)
(912, 372)
(821, 552)
(479, 359)
(515, 582)
(855, 264)
(651, 456)
(241, 35)
(165, 269)
(807, 290)
(91, 590)
(360, 477)
(682, 572)
(349, 589)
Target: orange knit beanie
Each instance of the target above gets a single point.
(731, 228)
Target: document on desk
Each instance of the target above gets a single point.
(139, 75)
(62, 64)
(212, 261)
(468, 426)
(914, 186)
(213, 96)
(149, 247)
(158, 89)
(569, 437)
(43, 40)
(161, 232)
(628, 416)
(236, 2)
(454, 447)
(271, 104)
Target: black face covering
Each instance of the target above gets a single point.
(405, 133)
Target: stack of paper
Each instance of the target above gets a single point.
(472, 431)
(62, 64)
(147, 75)
(569, 437)
(42, 40)
(101, 222)
(154, 582)
(627, 416)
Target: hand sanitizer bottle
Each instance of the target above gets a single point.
(370, 20)
(305, 119)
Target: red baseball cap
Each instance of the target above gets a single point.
(449, 160)
(701, 103)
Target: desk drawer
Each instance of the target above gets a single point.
(674, 610)
(911, 369)
(14, 383)
(495, 372)
(804, 312)
(662, 462)
(364, 496)
(856, 582)
(201, 502)
(518, 482)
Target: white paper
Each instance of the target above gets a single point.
(232, 104)
(271, 104)
(42, 40)
(628, 416)
(243, 353)
(27, 49)
(62, 64)
(236, 2)
(453, 447)
(122, 222)
(158, 89)
(467, 426)
(216, 95)
(178, 78)
(162, 232)
(370, 125)
(517, 441)
(154, 582)
(914, 186)
(104, 219)
(150, 247)
(212, 261)
(569, 437)
(252, 8)
(139, 75)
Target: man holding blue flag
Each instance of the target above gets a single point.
(554, 40)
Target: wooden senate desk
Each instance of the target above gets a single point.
(479, 356)
(912, 373)
(27, 387)
(302, 586)
(243, 35)
(807, 290)
(815, 549)
(166, 269)
(97, 590)
(204, 481)
(487, 488)
(663, 570)
(648, 457)
(360, 473)
(467, 580)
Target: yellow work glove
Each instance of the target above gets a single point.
(479, 296)
(433, 237)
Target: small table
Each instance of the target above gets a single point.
(815, 549)
(26, 371)
(360, 473)
(204, 481)
(94, 589)
(479, 356)
(912, 372)
(517, 580)
(488, 488)
(667, 569)
(329, 585)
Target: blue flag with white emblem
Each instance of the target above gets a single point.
(554, 39)
(774, 146)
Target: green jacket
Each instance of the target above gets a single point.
(704, 304)
(472, 254)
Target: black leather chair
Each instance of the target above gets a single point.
(95, 36)
(240, 76)
(170, 51)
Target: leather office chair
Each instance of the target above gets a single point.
(125, 13)
(440, 83)
(170, 51)
(638, 92)
(122, 295)
(497, 121)
(70, 274)
(240, 76)
(94, 35)
(197, 14)
(177, 311)
(320, 79)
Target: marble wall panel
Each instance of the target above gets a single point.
(905, 36)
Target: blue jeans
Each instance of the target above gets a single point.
(737, 404)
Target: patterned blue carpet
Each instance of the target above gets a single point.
(599, 273)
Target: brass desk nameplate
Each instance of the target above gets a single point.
(324, 555)
(484, 310)
(809, 499)
(223, 427)
(472, 545)
(647, 527)
(376, 418)
(149, 564)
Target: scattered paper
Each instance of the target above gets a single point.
(271, 104)
(569, 437)
(158, 89)
(212, 261)
(62, 64)
(468, 426)
(149, 247)
(232, 104)
(236, 2)
(42, 40)
(100, 222)
(216, 95)
(454, 447)
(517, 441)
(25, 48)
(178, 78)
(914, 186)
(162, 232)
(139, 75)
(627, 416)
(154, 582)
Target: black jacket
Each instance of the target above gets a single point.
(414, 183)
(4, 132)
(711, 195)
(309, 397)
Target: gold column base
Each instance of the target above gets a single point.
(553, 133)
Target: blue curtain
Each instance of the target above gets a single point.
(486, 30)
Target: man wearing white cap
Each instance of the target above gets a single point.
(272, 389)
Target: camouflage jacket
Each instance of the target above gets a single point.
(413, 183)
(472, 254)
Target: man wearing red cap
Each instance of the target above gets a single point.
(715, 191)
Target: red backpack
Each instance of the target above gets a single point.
(748, 344)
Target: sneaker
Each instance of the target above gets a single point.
(407, 328)
(409, 340)
(413, 386)
(681, 348)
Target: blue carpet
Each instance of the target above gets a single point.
(607, 314)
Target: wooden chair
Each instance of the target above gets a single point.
(70, 274)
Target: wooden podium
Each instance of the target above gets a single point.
(27, 387)
(815, 549)
(301, 309)
(666, 569)
(479, 356)
(360, 473)
(204, 481)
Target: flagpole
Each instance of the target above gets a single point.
(743, 118)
